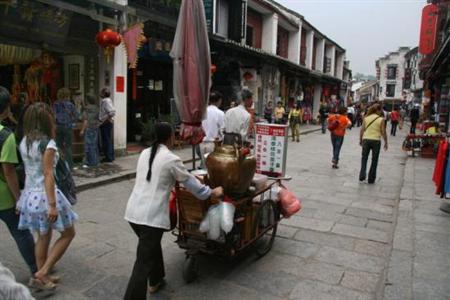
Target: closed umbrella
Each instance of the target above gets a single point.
(191, 69)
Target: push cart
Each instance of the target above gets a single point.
(256, 220)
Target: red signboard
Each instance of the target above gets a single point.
(428, 30)
(120, 84)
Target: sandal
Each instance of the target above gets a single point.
(40, 285)
(54, 278)
(155, 288)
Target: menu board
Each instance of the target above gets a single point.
(271, 149)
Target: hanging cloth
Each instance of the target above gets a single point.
(446, 177)
(439, 167)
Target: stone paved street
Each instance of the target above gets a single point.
(338, 247)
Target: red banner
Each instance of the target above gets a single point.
(428, 30)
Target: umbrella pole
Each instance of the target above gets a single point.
(193, 157)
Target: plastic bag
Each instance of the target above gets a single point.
(227, 222)
(211, 223)
(290, 204)
(219, 218)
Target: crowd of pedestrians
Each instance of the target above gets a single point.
(36, 185)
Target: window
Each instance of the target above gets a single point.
(249, 41)
(390, 90)
(222, 18)
(392, 72)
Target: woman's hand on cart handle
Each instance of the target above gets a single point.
(217, 195)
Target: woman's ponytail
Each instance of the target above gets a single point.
(163, 132)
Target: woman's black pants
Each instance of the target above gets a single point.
(149, 265)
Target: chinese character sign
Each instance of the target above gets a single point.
(428, 30)
(271, 149)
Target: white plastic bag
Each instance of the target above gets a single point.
(211, 222)
(219, 217)
(227, 222)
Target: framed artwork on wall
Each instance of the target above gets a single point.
(74, 76)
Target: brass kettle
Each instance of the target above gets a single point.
(230, 168)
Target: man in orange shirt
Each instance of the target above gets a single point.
(337, 124)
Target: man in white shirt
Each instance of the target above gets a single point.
(106, 115)
(214, 124)
(237, 119)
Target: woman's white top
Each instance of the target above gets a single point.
(149, 201)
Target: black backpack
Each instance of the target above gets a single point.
(20, 168)
(63, 176)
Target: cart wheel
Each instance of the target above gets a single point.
(190, 269)
(266, 219)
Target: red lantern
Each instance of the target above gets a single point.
(108, 40)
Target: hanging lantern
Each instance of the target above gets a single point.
(108, 40)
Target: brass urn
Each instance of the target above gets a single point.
(230, 168)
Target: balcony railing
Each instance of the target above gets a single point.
(170, 7)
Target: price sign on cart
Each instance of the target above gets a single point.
(271, 142)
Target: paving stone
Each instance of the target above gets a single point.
(350, 259)
(286, 231)
(371, 248)
(365, 213)
(375, 207)
(314, 290)
(307, 212)
(308, 223)
(361, 281)
(112, 287)
(430, 289)
(214, 289)
(383, 226)
(432, 228)
(319, 205)
(278, 284)
(296, 248)
(325, 239)
(399, 277)
(432, 220)
(327, 273)
(405, 205)
(361, 233)
(350, 220)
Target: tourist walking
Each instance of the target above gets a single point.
(279, 113)
(395, 118)
(214, 124)
(337, 124)
(147, 210)
(66, 117)
(106, 117)
(43, 207)
(373, 128)
(414, 116)
(351, 115)
(90, 132)
(294, 122)
(237, 120)
(323, 116)
(9, 188)
(268, 112)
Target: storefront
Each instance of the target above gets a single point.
(45, 46)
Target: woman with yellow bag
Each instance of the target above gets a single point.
(294, 122)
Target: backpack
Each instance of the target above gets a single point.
(333, 124)
(20, 168)
(63, 176)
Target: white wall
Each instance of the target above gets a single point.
(309, 48)
(320, 51)
(270, 33)
(340, 65)
(294, 45)
(395, 58)
(120, 99)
